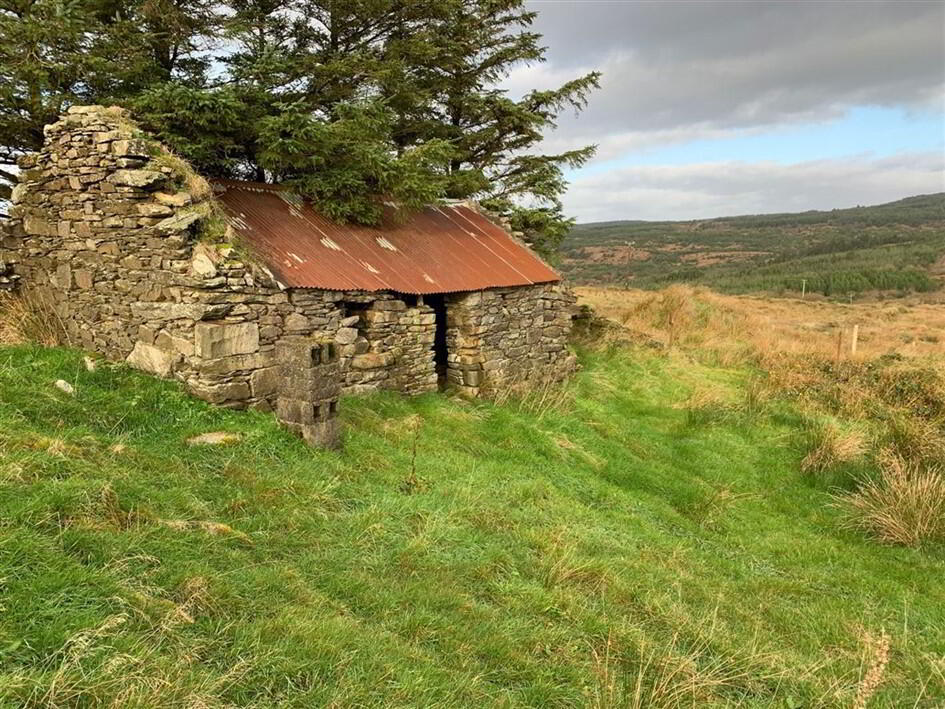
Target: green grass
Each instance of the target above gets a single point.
(519, 560)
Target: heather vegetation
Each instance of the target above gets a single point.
(894, 248)
(708, 515)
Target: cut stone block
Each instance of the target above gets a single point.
(154, 360)
(212, 340)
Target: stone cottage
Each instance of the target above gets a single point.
(249, 296)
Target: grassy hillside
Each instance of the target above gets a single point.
(895, 247)
(618, 549)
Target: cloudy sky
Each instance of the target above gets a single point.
(716, 108)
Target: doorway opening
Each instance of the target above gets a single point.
(438, 303)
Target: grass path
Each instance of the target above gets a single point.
(518, 559)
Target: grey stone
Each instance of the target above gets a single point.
(151, 359)
(18, 193)
(265, 382)
(82, 110)
(295, 322)
(134, 148)
(138, 178)
(346, 336)
(154, 210)
(295, 410)
(213, 340)
(177, 199)
(63, 277)
(83, 279)
(202, 265)
(38, 226)
(172, 343)
(228, 392)
(64, 386)
(215, 438)
(323, 434)
(224, 366)
(372, 360)
(182, 221)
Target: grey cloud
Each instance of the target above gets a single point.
(719, 189)
(703, 66)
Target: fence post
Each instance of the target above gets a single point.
(854, 339)
(839, 342)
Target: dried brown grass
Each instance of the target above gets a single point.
(876, 660)
(892, 388)
(677, 674)
(187, 178)
(829, 446)
(30, 317)
(916, 439)
(905, 327)
(904, 505)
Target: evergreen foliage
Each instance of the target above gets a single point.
(352, 102)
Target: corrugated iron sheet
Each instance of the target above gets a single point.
(439, 250)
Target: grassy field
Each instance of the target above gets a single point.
(908, 327)
(894, 248)
(635, 544)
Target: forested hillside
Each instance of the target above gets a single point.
(897, 247)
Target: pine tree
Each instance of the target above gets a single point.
(351, 101)
(299, 102)
(455, 68)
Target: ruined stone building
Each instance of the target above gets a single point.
(250, 297)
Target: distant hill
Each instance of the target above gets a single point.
(894, 247)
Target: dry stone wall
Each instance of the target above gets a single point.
(114, 236)
(8, 279)
(509, 337)
(393, 348)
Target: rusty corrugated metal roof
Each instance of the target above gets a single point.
(438, 250)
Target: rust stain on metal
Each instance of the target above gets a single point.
(439, 250)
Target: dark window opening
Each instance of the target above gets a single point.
(349, 308)
(438, 303)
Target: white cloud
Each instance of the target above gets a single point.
(727, 188)
(675, 67)
(676, 72)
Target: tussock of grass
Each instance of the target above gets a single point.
(213, 223)
(184, 176)
(916, 439)
(706, 406)
(534, 395)
(904, 504)
(680, 673)
(28, 317)
(829, 446)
